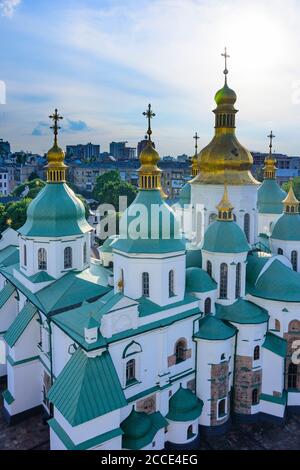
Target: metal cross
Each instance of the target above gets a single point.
(55, 118)
(196, 137)
(226, 56)
(271, 137)
(149, 115)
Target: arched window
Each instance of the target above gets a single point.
(247, 226)
(145, 285)
(68, 258)
(130, 371)
(277, 325)
(180, 351)
(84, 253)
(223, 280)
(256, 353)
(190, 433)
(171, 283)
(25, 255)
(280, 251)
(209, 268)
(207, 306)
(294, 260)
(238, 281)
(292, 375)
(42, 259)
(294, 325)
(255, 397)
(222, 408)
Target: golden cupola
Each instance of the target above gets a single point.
(149, 173)
(225, 208)
(270, 162)
(224, 159)
(56, 167)
(291, 203)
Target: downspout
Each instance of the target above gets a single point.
(51, 362)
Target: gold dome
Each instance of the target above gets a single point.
(56, 168)
(224, 159)
(291, 203)
(225, 207)
(149, 156)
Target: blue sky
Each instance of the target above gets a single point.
(101, 62)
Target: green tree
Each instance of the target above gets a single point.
(34, 188)
(112, 191)
(108, 177)
(296, 186)
(14, 214)
(33, 176)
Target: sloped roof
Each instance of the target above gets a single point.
(287, 228)
(213, 329)
(197, 280)
(269, 197)
(6, 293)
(193, 258)
(20, 323)
(140, 429)
(184, 405)
(275, 344)
(242, 311)
(9, 255)
(87, 388)
(225, 237)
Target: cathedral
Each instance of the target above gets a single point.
(164, 338)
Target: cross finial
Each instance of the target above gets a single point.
(226, 56)
(196, 137)
(149, 115)
(55, 118)
(271, 136)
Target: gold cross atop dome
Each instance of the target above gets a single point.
(271, 136)
(226, 56)
(149, 114)
(270, 162)
(56, 168)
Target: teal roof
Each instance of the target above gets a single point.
(162, 233)
(8, 397)
(278, 282)
(87, 388)
(147, 307)
(242, 312)
(140, 429)
(185, 195)
(197, 280)
(287, 228)
(9, 255)
(20, 323)
(107, 246)
(275, 344)
(213, 329)
(55, 212)
(91, 323)
(86, 445)
(184, 405)
(41, 276)
(256, 260)
(225, 237)
(193, 258)
(6, 293)
(269, 197)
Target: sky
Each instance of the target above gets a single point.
(100, 62)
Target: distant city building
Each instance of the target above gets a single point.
(288, 167)
(119, 151)
(183, 158)
(83, 152)
(6, 180)
(4, 147)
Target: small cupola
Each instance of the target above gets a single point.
(291, 203)
(225, 207)
(91, 328)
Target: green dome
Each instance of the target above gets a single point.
(193, 258)
(213, 329)
(55, 212)
(184, 405)
(225, 96)
(270, 197)
(197, 280)
(224, 236)
(161, 229)
(185, 195)
(137, 425)
(243, 312)
(287, 228)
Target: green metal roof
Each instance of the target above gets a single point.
(255, 262)
(107, 246)
(20, 323)
(193, 258)
(275, 344)
(278, 400)
(184, 405)
(157, 238)
(278, 282)
(41, 276)
(213, 329)
(147, 307)
(8, 397)
(55, 212)
(87, 388)
(86, 445)
(242, 311)
(225, 237)
(91, 323)
(197, 280)
(287, 228)
(269, 197)
(140, 429)
(6, 293)
(9, 255)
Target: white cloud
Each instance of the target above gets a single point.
(8, 7)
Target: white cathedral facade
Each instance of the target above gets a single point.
(162, 339)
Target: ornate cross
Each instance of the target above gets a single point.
(196, 137)
(149, 115)
(271, 137)
(226, 56)
(55, 118)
